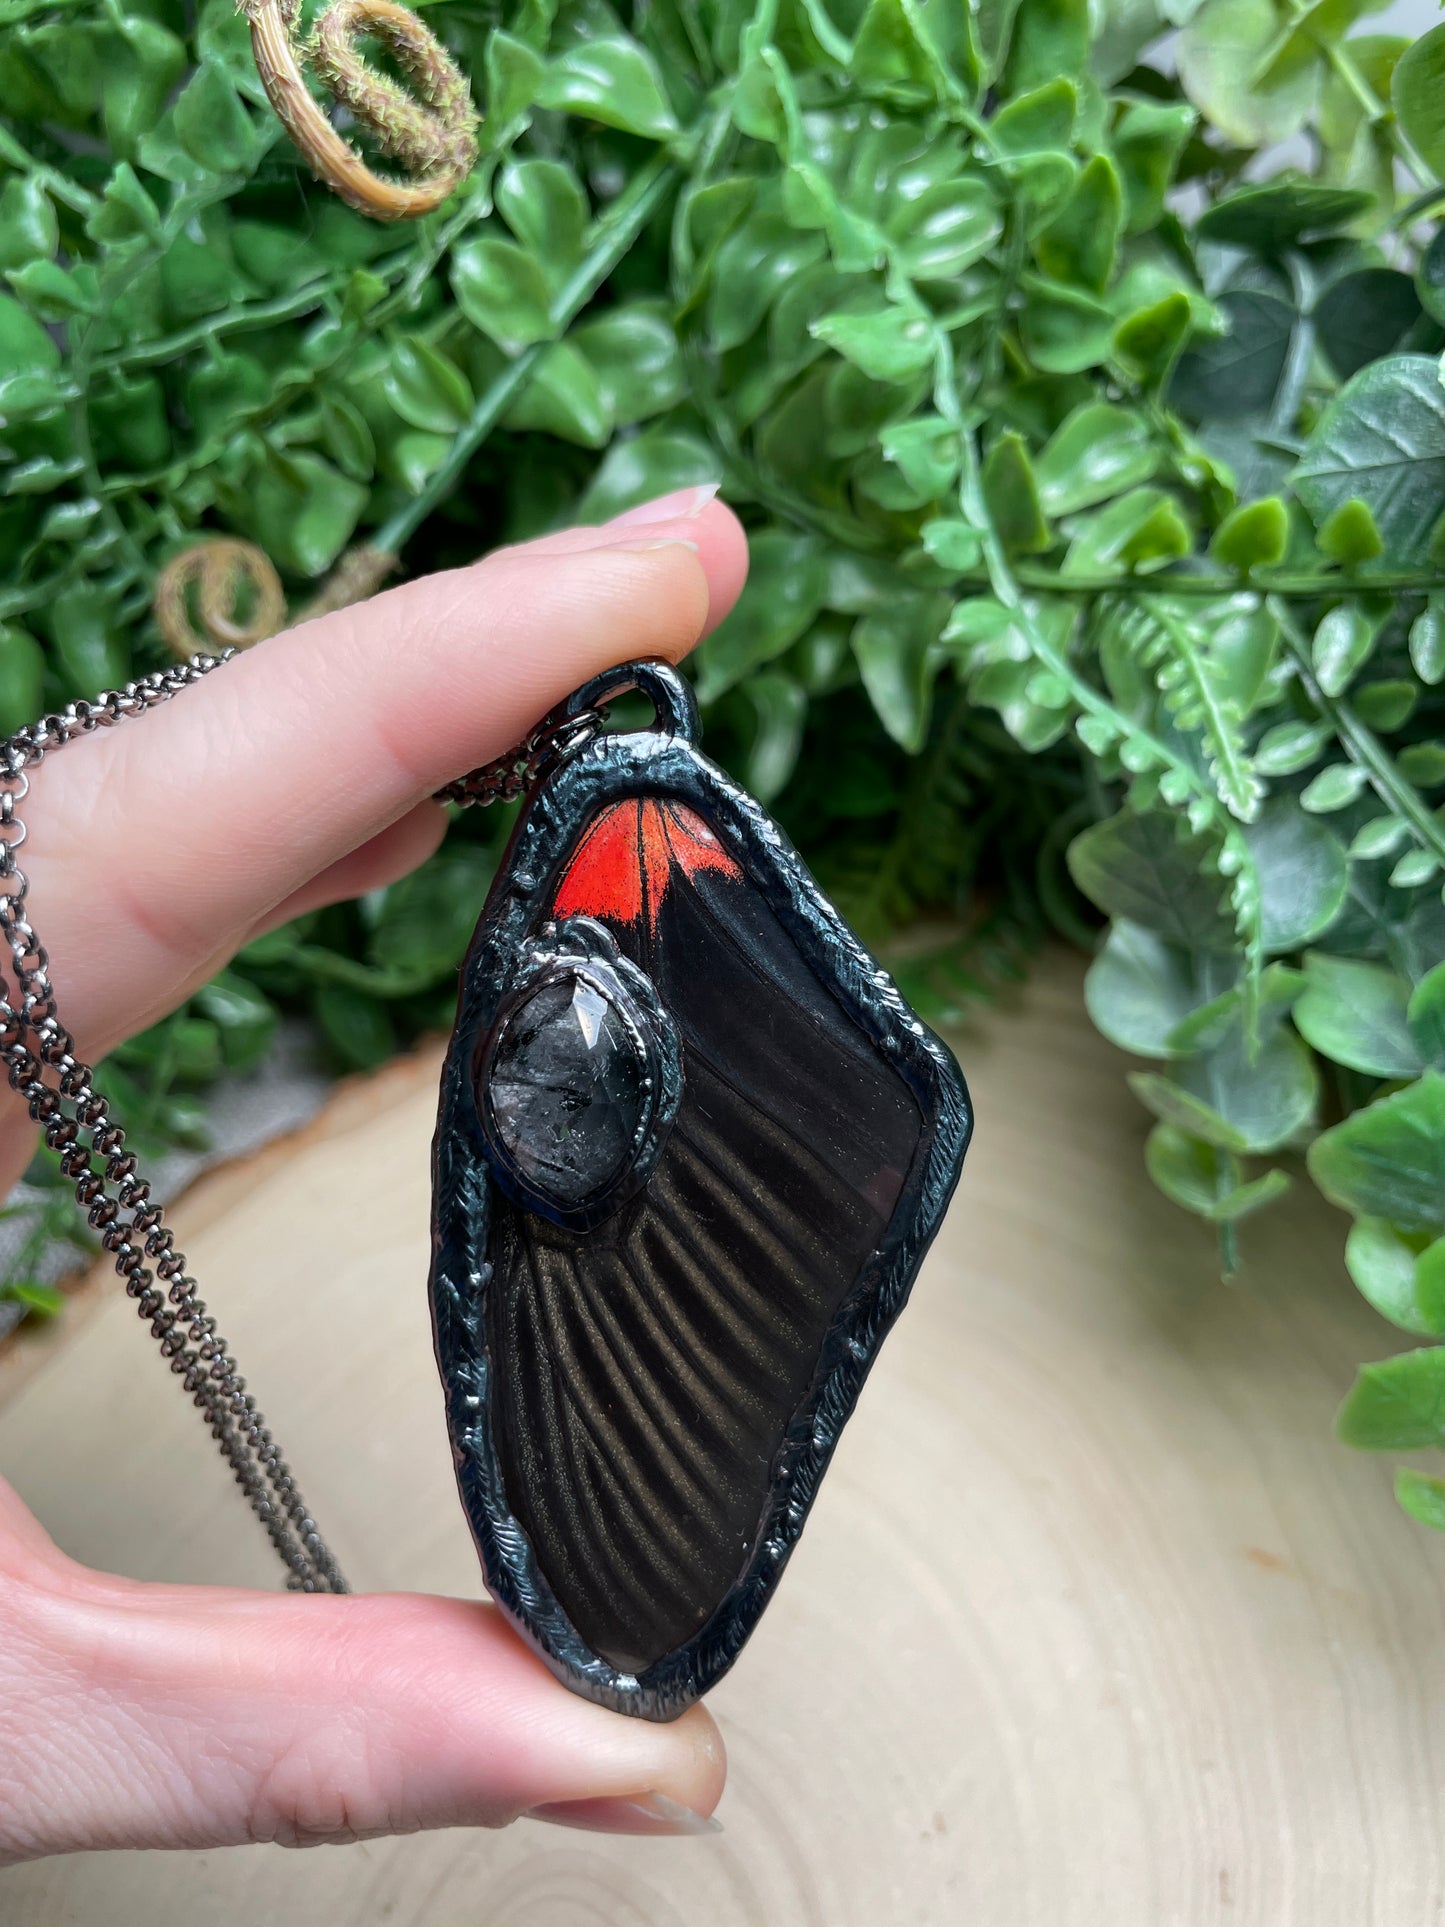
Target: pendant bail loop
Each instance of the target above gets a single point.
(671, 697)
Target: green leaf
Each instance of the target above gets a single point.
(565, 397)
(1427, 641)
(244, 1018)
(1335, 788)
(650, 464)
(1354, 1013)
(1148, 343)
(1097, 452)
(1383, 1265)
(88, 642)
(634, 353)
(212, 123)
(894, 49)
(612, 80)
(1422, 1496)
(29, 230)
(1220, 53)
(891, 344)
(303, 517)
(1139, 989)
(502, 291)
(1290, 747)
(358, 1027)
(1431, 281)
(1064, 329)
(1049, 38)
(751, 268)
(1418, 91)
(1205, 1179)
(1382, 441)
(783, 593)
(1388, 1160)
(1349, 535)
(945, 229)
(1040, 119)
(1266, 1093)
(1143, 531)
(1397, 1405)
(1364, 316)
(1252, 536)
(1426, 1016)
(1013, 499)
(426, 389)
(1239, 374)
(1152, 869)
(543, 204)
(1342, 644)
(780, 707)
(1147, 140)
(22, 678)
(926, 451)
(1303, 875)
(1275, 214)
(1079, 244)
(423, 923)
(894, 651)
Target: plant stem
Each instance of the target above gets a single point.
(1395, 791)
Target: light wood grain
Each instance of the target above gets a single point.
(1094, 1625)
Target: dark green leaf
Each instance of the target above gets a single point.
(634, 354)
(1364, 316)
(359, 1028)
(1205, 1179)
(1254, 535)
(426, 389)
(1382, 440)
(212, 123)
(1272, 215)
(1239, 374)
(1013, 498)
(303, 524)
(1426, 1016)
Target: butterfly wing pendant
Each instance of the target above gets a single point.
(691, 1150)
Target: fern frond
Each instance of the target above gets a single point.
(1172, 648)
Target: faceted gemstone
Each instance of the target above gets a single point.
(567, 1092)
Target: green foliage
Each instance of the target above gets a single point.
(1096, 488)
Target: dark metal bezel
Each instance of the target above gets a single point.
(581, 950)
(610, 768)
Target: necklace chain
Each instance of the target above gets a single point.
(76, 1121)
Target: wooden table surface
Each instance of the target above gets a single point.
(1094, 1625)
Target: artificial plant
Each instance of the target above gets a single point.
(1093, 450)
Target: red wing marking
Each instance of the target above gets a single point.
(629, 857)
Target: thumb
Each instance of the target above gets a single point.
(159, 1716)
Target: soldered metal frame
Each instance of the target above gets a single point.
(664, 760)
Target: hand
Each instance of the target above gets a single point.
(167, 1716)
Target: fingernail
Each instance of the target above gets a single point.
(644, 1813)
(642, 545)
(680, 506)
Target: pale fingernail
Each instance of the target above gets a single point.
(680, 506)
(644, 545)
(643, 1813)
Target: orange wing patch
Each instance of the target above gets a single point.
(630, 856)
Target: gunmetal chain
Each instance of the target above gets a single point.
(76, 1121)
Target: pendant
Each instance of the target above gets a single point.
(692, 1147)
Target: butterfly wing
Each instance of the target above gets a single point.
(648, 1370)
